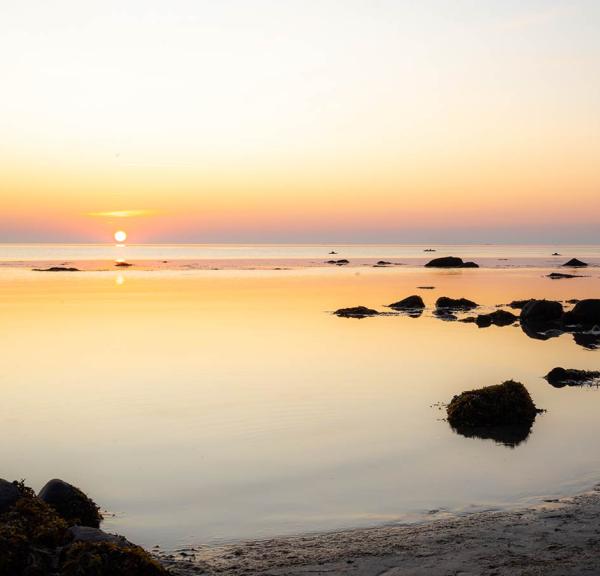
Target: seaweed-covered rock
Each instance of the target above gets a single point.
(414, 302)
(585, 313)
(107, 559)
(30, 532)
(455, 303)
(89, 534)
(498, 318)
(575, 263)
(71, 503)
(9, 493)
(560, 377)
(500, 405)
(450, 262)
(541, 311)
(356, 312)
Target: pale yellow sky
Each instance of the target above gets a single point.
(300, 120)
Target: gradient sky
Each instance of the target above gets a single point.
(289, 120)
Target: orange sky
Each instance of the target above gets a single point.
(300, 121)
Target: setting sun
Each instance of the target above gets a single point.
(120, 236)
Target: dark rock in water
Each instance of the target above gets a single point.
(575, 263)
(559, 275)
(333, 252)
(123, 264)
(450, 262)
(9, 494)
(501, 405)
(341, 262)
(519, 304)
(573, 301)
(356, 312)
(429, 250)
(455, 303)
(560, 377)
(541, 311)
(426, 287)
(409, 303)
(555, 254)
(584, 313)
(498, 318)
(56, 269)
(108, 559)
(71, 503)
(383, 263)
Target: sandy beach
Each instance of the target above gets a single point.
(558, 537)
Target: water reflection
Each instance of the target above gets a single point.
(510, 436)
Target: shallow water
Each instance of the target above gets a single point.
(201, 406)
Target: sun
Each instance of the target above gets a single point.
(120, 236)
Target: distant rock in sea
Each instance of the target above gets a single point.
(560, 377)
(445, 303)
(123, 264)
(414, 302)
(497, 318)
(56, 269)
(559, 275)
(450, 262)
(356, 312)
(575, 263)
(341, 262)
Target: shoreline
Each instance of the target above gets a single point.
(556, 537)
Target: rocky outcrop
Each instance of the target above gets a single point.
(450, 262)
(458, 304)
(36, 540)
(497, 318)
(575, 263)
(541, 311)
(356, 312)
(9, 494)
(71, 503)
(560, 377)
(414, 302)
(585, 313)
(501, 405)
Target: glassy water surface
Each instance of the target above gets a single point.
(208, 405)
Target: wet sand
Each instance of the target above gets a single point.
(558, 537)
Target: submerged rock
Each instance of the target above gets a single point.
(450, 262)
(71, 503)
(498, 318)
(57, 269)
(414, 302)
(575, 263)
(541, 311)
(559, 275)
(89, 534)
(500, 405)
(585, 313)
(341, 262)
(560, 377)
(445, 303)
(356, 312)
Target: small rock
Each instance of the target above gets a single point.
(89, 534)
(409, 303)
(450, 262)
(498, 318)
(575, 263)
(559, 275)
(559, 377)
(455, 303)
(356, 312)
(56, 269)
